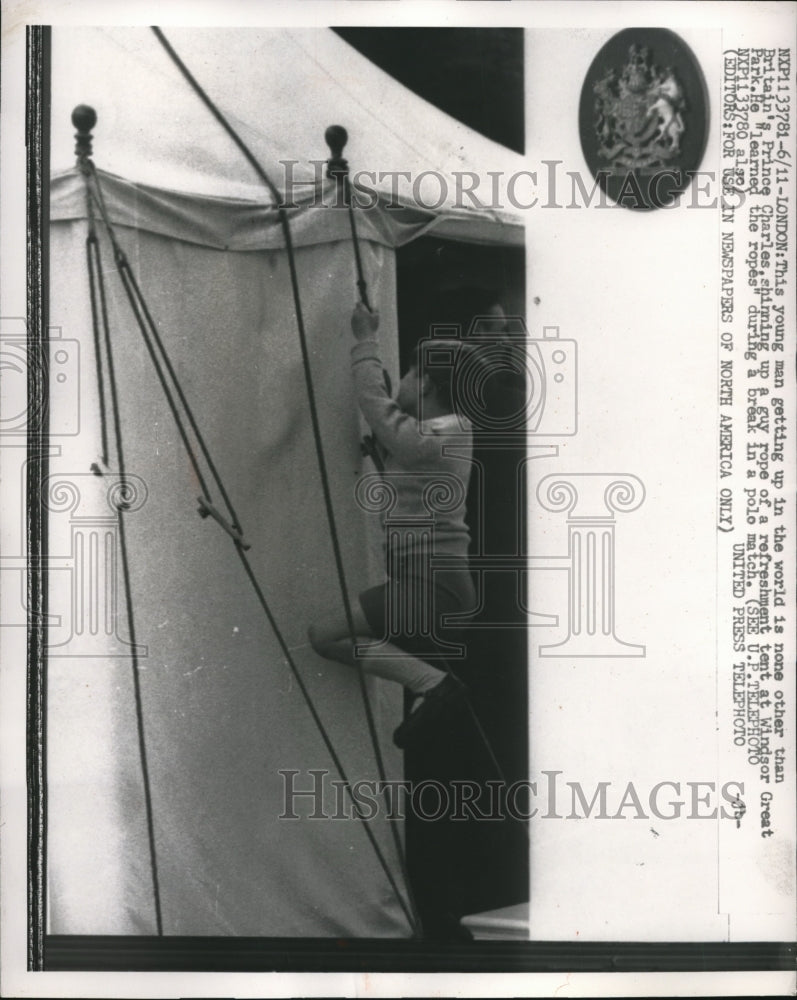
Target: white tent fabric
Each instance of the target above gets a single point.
(222, 717)
(280, 89)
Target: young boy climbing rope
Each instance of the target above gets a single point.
(421, 441)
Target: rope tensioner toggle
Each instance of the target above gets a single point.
(206, 509)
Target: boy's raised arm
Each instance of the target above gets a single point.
(395, 430)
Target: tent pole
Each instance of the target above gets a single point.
(336, 138)
(84, 118)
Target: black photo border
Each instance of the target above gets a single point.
(245, 954)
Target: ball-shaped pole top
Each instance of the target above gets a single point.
(336, 138)
(84, 118)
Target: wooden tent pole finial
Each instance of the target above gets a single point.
(84, 118)
(336, 138)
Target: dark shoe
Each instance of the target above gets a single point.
(443, 698)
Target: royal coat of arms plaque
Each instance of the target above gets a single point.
(643, 117)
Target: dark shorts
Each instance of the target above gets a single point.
(410, 610)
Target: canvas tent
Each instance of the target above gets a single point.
(226, 731)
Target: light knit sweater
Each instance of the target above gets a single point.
(417, 454)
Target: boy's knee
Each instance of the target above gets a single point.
(324, 636)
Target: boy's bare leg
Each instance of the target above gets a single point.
(394, 664)
(331, 639)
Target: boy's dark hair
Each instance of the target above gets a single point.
(445, 362)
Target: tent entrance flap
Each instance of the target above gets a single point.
(462, 868)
